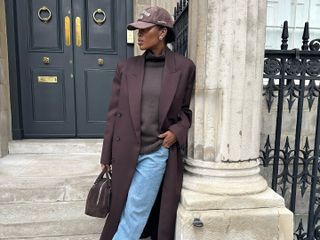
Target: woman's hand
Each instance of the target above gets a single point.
(105, 166)
(169, 138)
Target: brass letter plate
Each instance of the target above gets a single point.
(47, 79)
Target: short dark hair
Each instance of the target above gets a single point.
(171, 36)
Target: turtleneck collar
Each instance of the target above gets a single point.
(151, 57)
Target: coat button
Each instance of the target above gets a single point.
(117, 139)
(119, 114)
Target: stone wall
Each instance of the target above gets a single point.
(5, 113)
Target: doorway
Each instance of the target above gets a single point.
(67, 54)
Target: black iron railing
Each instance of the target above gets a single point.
(293, 81)
(181, 27)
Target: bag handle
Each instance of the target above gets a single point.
(104, 171)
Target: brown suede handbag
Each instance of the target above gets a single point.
(99, 197)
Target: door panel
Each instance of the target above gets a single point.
(97, 92)
(52, 96)
(47, 89)
(45, 35)
(103, 45)
(100, 35)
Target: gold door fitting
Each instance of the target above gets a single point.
(67, 31)
(46, 10)
(46, 60)
(97, 20)
(78, 31)
(100, 61)
(130, 38)
(47, 79)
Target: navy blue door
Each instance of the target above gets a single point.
(68, 52)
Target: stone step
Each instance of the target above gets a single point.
(47, 177)
(33, 220)
(74, 237)
(43, 146)
(48, 190)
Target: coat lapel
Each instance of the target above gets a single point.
(135, 79)
(169, 85)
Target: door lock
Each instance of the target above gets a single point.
(100, 61)
(46, 60)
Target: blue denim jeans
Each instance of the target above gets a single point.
(142, 193)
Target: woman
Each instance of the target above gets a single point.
(147, 123)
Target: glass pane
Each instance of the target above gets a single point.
(314, 34)
(278, 11)
(296, 12)
(273, 38)
(314, 20)
(272, 13)
(302, 12)
(297, 38)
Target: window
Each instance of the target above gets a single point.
(296, 12)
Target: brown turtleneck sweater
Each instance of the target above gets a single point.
(150, 103)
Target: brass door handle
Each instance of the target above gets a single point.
(100, 61)
(46, 60)
(78, 31)
(47, 10)
(96, 20)
(67, 30)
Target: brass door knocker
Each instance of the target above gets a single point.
(99, 21)
(47, 10)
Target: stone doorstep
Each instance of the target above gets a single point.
(20, 190)
(47, 219)
(43, 146)
(47, 177)
(74, 237)
(44, 166)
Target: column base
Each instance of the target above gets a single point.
(223, 178)
(261, 216)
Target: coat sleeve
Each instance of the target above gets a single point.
(180, 129)
(112, 110)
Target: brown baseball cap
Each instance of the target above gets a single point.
(150, 17)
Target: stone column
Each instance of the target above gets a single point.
(5, 113)
(222, 187)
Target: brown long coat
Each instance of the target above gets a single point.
(122, 138)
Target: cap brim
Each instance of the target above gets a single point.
(139, 25)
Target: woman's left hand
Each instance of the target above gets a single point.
(169, 138)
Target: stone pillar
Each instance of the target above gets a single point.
(5, 113)
(222, 186)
